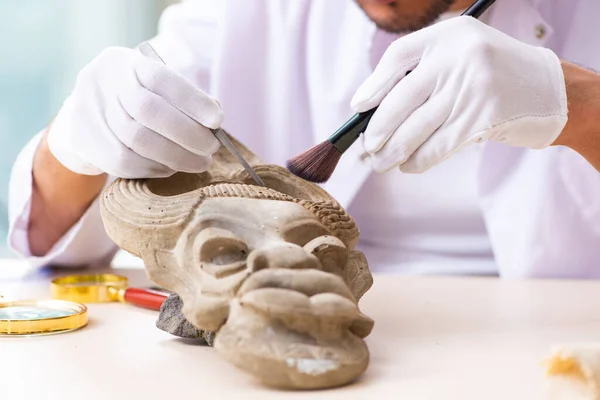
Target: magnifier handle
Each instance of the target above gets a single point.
(144, 298)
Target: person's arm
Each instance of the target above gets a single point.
(109, 125)
(59, 199)
(582, 131)
(470, 83)
(85, 243)
(58, 176)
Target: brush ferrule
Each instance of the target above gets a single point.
(344, 137)
(478, 8)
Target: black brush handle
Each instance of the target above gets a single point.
(344, 137)
(478, 8)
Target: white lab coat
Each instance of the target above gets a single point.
(285, 71)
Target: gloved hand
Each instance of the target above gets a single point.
(128, 116)
(469, 83)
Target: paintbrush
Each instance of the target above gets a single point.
(318, 163)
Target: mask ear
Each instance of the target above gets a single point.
(357, 274)
(159, 267)
(137, 219)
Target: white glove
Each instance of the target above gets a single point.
(470, 83)
(128, 116)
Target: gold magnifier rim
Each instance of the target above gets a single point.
(44, 326)
(90, 288)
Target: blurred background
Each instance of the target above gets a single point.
(44, 44)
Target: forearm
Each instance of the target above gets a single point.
(582, 131)
(59, 199)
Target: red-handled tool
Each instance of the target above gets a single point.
(102, 288)
(145, 298)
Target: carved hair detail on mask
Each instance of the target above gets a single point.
(335, 219)
(133, 208)
(242, 190)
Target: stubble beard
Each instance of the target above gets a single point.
(398, 22)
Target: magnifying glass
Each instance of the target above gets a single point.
(66, 311)
(41, 317)
(104, 288)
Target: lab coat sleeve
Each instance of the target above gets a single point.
(86, 243)
(542, 211)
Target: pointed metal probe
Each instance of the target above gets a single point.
(147, 50)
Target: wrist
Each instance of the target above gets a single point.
(59, 199)
(62, 186)
(583, 98)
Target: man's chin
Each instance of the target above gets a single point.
(403, 16)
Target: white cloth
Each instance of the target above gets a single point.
(303, 60)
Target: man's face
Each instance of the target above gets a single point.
(400, 16)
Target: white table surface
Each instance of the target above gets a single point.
(434, 338)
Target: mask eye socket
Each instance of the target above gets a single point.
(223, 252)
(302, 232)
(220, 252)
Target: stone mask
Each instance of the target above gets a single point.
(272, 271)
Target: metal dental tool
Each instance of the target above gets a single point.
(147, 50)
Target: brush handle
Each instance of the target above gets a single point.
(344, 137)
(478, 8)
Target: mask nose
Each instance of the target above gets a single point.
(285, 255)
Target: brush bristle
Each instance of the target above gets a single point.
(317, 164)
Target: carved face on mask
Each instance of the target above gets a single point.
(272, 270)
